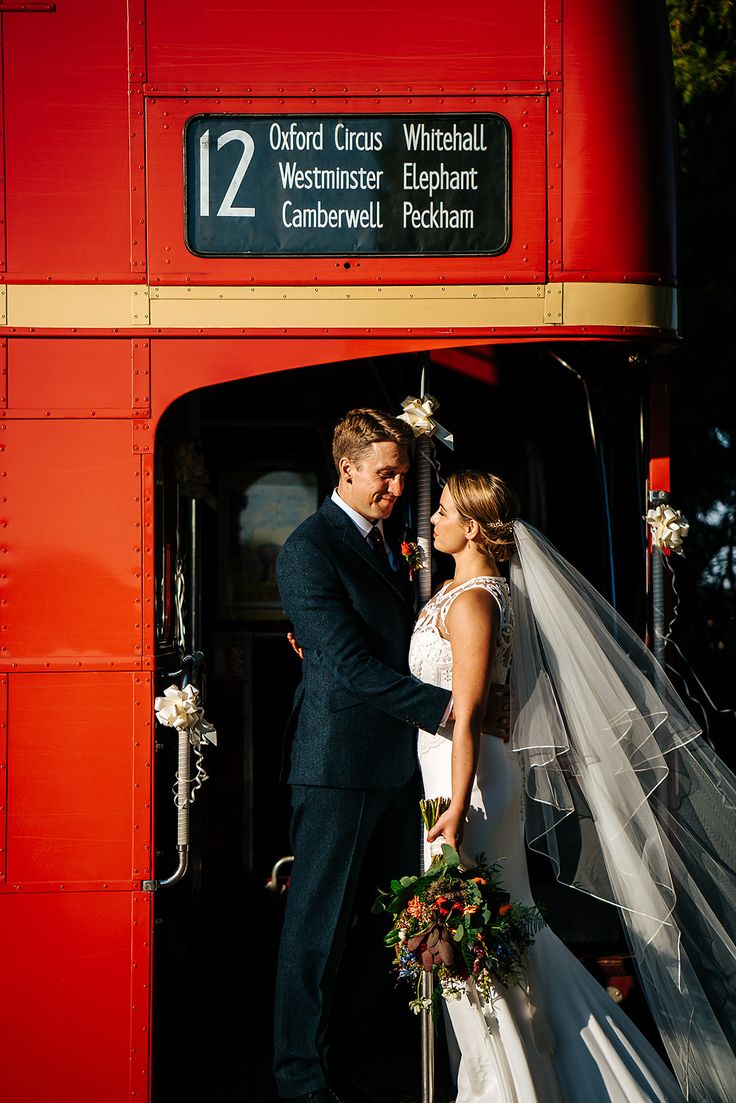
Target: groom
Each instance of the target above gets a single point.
(353, 767)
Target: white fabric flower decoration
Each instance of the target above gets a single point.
(180, 709)
(669, 528)
(418, 414)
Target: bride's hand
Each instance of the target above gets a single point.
(450, 825)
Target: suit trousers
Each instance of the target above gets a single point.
(346, 843)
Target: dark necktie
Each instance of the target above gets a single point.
(375, 540)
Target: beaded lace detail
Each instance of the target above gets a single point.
(430, 654)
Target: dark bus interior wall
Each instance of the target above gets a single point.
(237, 466)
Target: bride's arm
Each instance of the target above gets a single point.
(472, 624)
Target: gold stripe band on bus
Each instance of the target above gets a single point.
(96, 306)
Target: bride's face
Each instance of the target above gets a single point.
(450, 531)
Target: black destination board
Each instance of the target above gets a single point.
(327, 185)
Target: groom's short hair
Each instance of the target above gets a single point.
(359, 429)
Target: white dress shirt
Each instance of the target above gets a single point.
(362, 523)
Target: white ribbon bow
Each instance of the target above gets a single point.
(418, 414)
(669, 528)
(180, 709)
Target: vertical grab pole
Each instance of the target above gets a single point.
(658, 493)
(424, 511)
(658, 641)
(418, 414)
(658, 487)
(192, 670)
(183, 778)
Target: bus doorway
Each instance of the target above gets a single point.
(238, 466)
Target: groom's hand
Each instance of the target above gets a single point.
(497, 720)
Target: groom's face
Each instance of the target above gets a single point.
(373, 484)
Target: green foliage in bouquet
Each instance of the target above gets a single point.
(456, 923)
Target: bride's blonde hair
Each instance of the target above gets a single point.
(487, 500)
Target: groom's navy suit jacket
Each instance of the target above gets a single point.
(352, 766)
(357, 708)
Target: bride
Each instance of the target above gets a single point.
(606, 771)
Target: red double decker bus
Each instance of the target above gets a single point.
(221, 227)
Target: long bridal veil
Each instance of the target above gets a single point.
(629, 803)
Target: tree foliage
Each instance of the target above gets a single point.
(703, 34)
(703, 47)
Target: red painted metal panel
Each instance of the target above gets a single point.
(3, 776)
(141, 376)
(182, 365)
(404, 42)
(78, 775)
(658, 435)
(136, 116)
(618, 145)
(149, 571)
(68, 184)
(477, 363)
(81, 373)
(72, 546)
(171, 262)
(3, 220)
(71, 963)
(3, 373)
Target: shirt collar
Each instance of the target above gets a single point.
(361, 522)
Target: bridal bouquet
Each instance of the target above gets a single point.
(455, 923)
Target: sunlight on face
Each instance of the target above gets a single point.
(374, 484)
(450, 531)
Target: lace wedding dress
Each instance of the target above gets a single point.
(565, 1041)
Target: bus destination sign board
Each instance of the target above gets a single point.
(326, 185)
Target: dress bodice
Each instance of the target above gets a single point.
(430, 653)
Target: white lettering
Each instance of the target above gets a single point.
(293, 137)
(368, 141)
(226, 207)
(321, 217)
(337, 179)
(438, 139)
(437, 217)
(441, 179)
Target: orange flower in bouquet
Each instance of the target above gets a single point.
(456, 924)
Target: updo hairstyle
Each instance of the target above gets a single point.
(486, 499)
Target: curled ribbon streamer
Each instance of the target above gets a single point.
(180, 709)
(669, 528)
(418, 414)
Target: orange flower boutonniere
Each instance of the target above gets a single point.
(414, 556)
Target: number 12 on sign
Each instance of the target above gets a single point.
(226, 207)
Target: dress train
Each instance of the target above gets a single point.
(566, 1041)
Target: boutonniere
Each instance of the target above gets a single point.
(414, 555)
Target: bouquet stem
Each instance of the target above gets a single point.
(432, 808)
(428, 1094)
